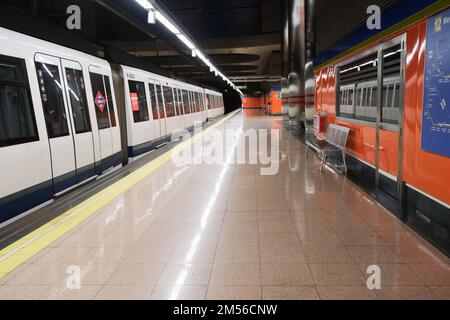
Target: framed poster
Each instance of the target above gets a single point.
(436, 99)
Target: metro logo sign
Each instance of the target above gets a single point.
(100, 101)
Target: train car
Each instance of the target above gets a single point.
(378, 91)
(60, 124)
(215, 104)
(158, 109)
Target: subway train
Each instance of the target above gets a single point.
(67, 117)
(392, 93)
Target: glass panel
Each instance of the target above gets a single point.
(179, 102)
(191, 94)
(374, 99)
(162, 113)
(168, 102)
(11, 69)
(202, 107)
(109, 102)
(187, 109)
(391, 79)
(155, 112)
(17, 122)
(52, 100)
(208, 101)
(78, 100)
(100, 102)
(361, 74)
(138, 100)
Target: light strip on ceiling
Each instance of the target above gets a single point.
(196, 52)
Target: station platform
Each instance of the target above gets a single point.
(171, 230)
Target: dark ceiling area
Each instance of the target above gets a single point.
(241, 37)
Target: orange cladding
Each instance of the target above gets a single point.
(422, 170)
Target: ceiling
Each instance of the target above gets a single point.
(242, 37)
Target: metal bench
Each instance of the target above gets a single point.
(335, 141)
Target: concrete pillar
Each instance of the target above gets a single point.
(296, 76)
(309, 65)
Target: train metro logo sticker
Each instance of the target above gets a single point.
(100, 101)
(134, 101)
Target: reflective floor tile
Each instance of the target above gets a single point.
(346, 293)
(290, 293)
(185, 275)
(286, 275)
(235, 275)
(234, 293)
(119, 292)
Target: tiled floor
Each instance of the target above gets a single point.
(223, 231)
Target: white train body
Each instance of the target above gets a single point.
(60, 124)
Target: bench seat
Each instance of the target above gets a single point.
(336, 141)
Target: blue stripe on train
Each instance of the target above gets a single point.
(24, 200)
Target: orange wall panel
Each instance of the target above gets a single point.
(276, 103)
(252, 102)
(423, 170)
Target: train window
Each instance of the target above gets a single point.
(169, 102)
(52, 100)
(99, 96)
(179, 102)
(191, 95)
(199, 102)
(17, 120)
(109, 102)
(187, 109)
(346, 101)
(193, 103)
(153, 101)
(180, 96)
(356, 103)
(138, 100)
(202, 102)
(162, 113)
(208, 101)
(374, 99)
(78, 100)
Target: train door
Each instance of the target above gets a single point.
(59, 128)
(155, 111)
(178, 118)
(389, 129)
(180, 108)
(105, 117)
(162, 112)
(79, 119)
(194, 107)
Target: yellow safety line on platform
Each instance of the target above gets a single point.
(20, 251)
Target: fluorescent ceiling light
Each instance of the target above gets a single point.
(154, 15)
(169, 25)
(186, 41)
(145, 4)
